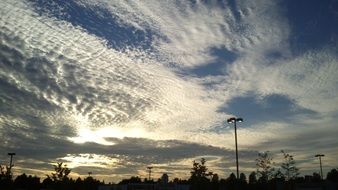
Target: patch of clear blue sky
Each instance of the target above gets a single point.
(274, 108)
(98, 21)
(254, 110)
(223, 57)
(313, 24)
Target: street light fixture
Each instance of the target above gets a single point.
(235, 120)
(11, 154)
(149, 170)
(320, 163)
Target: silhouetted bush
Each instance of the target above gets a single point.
(332, 175)
(27, 182)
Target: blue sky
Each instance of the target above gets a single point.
(114, 86)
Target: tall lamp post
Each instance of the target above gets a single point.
(149, 170)
(235, 120)
(320, 163)
(11, 154)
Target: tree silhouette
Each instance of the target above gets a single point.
(231, 178)
(199, 170)
(90, 183)
(199, 173)
(215, 178)
(61, 172)
(288, 168)
(332, 175)
(265, 168)
(242, 178)
(5, 178)
(231, 182)
(133, 179)
(252, 178)
(27, 182)
(215, 182)
(164, 179)
(316, 177)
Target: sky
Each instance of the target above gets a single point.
(111, 87)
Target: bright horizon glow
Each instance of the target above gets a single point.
(90, 160)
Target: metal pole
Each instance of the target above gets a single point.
(149, 174)
(321, 169)
(11, 162)
(149, 168)
(236, 150)
(320, 164)
(11, 154)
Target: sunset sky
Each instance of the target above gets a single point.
(111, 86)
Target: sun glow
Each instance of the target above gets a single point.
(101, 135)
(87, 135)
(93, 160)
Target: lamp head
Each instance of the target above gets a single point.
(231, 120)
(319, 155)
(239, 120)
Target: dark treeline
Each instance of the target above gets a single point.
(267, 176)
(56, 181)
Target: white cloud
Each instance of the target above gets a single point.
(94, 86)
(309, 79)
(187, 31)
